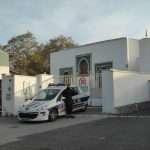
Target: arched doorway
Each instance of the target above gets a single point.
(83, 67)
(83, 64)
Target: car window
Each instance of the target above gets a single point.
(45, 95)
(75, 90)
(59, 97)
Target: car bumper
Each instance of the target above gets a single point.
(33, 116)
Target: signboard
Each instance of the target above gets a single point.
(83, 83)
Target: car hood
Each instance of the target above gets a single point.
(35, 105)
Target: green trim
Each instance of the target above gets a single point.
(69, 70)
(88, 57)
(103, 66)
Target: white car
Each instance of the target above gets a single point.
(48, 104)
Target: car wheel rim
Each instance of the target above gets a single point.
(53, 115)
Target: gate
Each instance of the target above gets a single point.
(91, 85)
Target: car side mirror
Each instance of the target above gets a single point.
(60, 98)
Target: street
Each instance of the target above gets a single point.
(85, 132)
(11, 129)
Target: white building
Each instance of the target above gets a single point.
(115, 73)
(89, 61)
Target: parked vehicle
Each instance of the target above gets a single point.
(48, 104)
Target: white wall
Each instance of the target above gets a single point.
(24, 88)
(144, 59)
(29, 83)
(107, 92)
(130, 88)
(43, 80)
(15, 87)
(111, 50)
(133, 52)
(122, 88)
(21, 88)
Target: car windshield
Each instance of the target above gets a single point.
(46, 95)
(78, 90)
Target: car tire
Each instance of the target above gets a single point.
(53, 114)
(85, 108)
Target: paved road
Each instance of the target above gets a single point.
(11, 130)
(89, 130)
(115, 133)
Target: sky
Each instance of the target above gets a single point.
(86, 21)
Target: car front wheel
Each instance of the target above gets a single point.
(53, 114)
(85, 108)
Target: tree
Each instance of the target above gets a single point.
(18, 48)
(1, 46)
(59, 43)
(28, 57)
(56, 44)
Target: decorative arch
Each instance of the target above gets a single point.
(83, 66)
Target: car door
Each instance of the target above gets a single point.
(61, 105)
(77, 99)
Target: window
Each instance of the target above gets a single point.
(75, 90)
(66, 75)
(46, 95)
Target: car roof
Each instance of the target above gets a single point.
(56, 87)
(59, 87)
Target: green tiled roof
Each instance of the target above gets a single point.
(4, 58)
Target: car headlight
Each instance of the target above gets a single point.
(41, 109)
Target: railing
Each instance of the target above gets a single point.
(92, 82)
